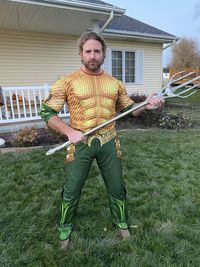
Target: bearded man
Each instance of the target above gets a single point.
(93, 97)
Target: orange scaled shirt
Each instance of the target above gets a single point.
(92, 99)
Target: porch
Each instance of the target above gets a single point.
(21, 107)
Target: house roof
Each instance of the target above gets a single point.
(126, 25)
(58, 16)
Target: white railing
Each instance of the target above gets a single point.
(23, 103)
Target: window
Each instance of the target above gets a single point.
(123, 66)
(117, 64)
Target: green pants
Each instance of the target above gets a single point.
(80, 158)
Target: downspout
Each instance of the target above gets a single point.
(107, 22)
(169, 45)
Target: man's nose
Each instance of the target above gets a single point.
(92, 54)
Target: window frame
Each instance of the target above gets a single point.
(123, 50)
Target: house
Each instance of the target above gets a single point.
(38, 46)
(166, 75)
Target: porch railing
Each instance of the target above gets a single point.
(23, 103)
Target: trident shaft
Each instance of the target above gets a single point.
(168, 91)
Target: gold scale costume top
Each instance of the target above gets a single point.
(92, 99)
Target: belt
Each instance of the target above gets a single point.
(103, 137)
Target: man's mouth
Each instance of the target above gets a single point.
(92, 62)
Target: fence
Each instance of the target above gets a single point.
(23, 103)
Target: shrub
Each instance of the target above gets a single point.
(160, 118)
(176, 121)
(150, 118)
(26, 137)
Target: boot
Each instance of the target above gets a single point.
(119, 215)
(67, 211)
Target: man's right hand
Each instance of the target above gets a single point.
(59, 125)
(76, 136)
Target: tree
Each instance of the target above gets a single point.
(185, 54)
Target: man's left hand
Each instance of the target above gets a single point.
(154, 101)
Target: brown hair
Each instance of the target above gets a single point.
(91, 36)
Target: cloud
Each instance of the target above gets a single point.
(197, 10)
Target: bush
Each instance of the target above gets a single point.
(160, 118)
(150, 118)
(26, 137)
(177, 121)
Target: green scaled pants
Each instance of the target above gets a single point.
(79, 160)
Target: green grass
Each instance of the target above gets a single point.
(161, 171)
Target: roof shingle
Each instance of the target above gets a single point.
(128, 24)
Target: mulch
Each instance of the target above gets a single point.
(45, 138)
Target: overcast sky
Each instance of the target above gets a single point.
(178, 17)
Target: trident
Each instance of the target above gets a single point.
(168, 91)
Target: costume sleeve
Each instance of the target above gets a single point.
(57, 96)
(46, 112)
(123, 101)
(54, 102)
(127, 108)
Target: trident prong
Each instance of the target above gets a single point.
(180, 94)
(168, 91)
(173, 80)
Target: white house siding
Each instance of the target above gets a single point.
(35, 58)
(28, 58)
(152, 65)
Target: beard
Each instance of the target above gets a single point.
(93, 65)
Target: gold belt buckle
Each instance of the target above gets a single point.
(103, 138)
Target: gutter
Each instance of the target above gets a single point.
(138, 35)
(73, 4)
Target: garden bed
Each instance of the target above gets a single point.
(174, 116)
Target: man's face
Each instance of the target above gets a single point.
(92, 56)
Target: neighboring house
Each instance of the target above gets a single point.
(166, 74)
(38, 42)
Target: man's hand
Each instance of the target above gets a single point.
(154, 101)
(59, 125)
(76, 136)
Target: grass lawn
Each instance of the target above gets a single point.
(161, 172)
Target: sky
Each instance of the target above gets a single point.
(178, 17)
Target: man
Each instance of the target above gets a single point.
(93, 97)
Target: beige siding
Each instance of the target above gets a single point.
(152, 65)
(34, 58)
